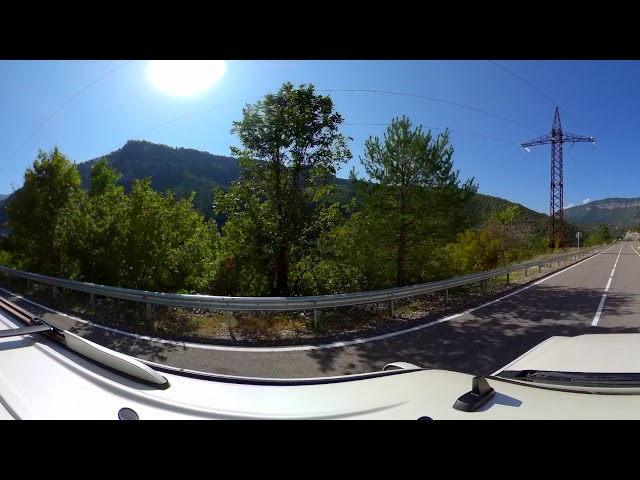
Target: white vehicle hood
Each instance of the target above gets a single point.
(597, 353)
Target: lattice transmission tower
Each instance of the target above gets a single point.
(556, 208)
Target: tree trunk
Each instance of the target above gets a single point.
(282, 272)
(402, 257)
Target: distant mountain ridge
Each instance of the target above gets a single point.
(612, 211)
(3, 196)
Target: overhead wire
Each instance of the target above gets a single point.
(555, 104)
(437, 128)
(261, 96)
(187, 116)
(351, 90)
(432, 99)
(60, 108)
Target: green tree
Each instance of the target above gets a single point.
(38, 212)
(277, 209)
(103, 178)
(509, 233)
(97, 233)
(600, 236)
(414, 198)
(475, 252)
(168, 245)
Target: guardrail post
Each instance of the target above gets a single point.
(55, 291)
(315, 318)
(446, 296)
(93, 300)
(507, 279)
(525, 272)
(393, 313)
(229, 313)
(148, 311)
(483, 284)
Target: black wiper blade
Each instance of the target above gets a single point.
(583, 379)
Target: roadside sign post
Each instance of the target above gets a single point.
(578, 235)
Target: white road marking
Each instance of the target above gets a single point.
(606, 289)
(596, 318)
(600, 307)
(304, 347)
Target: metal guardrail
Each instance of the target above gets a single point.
(231, 304)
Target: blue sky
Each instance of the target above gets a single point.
(596, 98)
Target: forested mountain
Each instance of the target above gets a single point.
(180, 170)
(611, 211)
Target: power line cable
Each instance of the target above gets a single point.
(60, 108)
(554, 104)
(541, 92)
(435, 100)
(437, 128)
(187, 116)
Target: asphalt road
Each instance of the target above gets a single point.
(596, 295)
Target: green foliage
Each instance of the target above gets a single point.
(353, 258)
(599, 237)
(475, 252)
(102, 179)
(275, 211)
(414, 200)
(5, 259)
(181, 170)
(145, 240)
(39, 211)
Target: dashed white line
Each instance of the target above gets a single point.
(600, 307)
(304, 347)
(596, 318)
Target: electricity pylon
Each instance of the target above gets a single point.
(556, 209)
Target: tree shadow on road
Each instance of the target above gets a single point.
(486, 339)
(130, 345)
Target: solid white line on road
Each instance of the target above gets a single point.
(594, 323)
(303, 347)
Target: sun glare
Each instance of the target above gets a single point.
(185, 77)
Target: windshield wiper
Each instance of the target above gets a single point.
(582, 379)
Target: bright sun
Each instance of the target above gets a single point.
(185, 77)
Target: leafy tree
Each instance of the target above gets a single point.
(600, 236)
(103, 178)
(475, 252)
(167, 245)
(51, 194)
(97, 233)
(276, 210)
(414, 200)
(509, 235)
